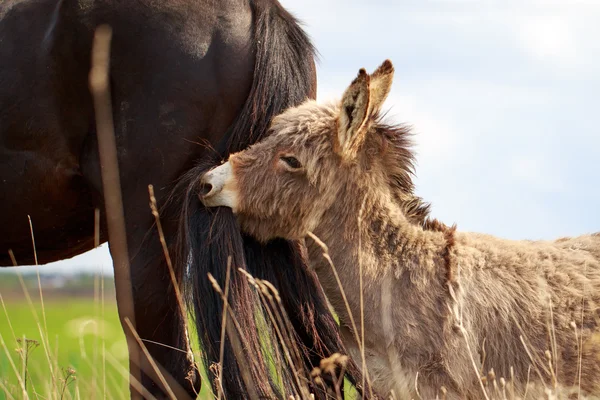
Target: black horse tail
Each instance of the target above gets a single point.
(284, 76)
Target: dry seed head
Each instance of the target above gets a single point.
(190, 375)
(330, 364)
(273, 289)
(264, 290)
(29, 342)
(250, 278)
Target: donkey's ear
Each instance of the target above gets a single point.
(381, 83)
(353, 115)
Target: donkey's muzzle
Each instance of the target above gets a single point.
(207, 189)
(217, 187)
(210, 185)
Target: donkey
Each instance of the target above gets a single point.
(437, 307)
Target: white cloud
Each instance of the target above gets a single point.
(536, 171)
(436, 139)
(548, 37)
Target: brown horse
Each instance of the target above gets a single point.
(428, 299)
(186, 77)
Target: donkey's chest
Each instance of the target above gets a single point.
(382, 368)
(386, 366)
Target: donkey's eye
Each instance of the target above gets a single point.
(291, 162)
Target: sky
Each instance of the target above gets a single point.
(503, 98)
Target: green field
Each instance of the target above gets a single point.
(71, 348)
(74, 345)
(76, 335)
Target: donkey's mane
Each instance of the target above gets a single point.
(399, 164)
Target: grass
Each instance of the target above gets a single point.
(66, 344)
(78, 352)
(77, 334)
(69, 344)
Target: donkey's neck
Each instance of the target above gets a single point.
(404, 294)
(367, 231)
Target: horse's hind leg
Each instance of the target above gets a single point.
(160, 321)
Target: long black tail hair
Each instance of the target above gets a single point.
(284, 76)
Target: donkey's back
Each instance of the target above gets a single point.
(587, 243)
(534, 307)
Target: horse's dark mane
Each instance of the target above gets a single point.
(399, 164)
(284, 76)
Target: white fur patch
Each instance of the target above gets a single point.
(224, 188)
(403, 379)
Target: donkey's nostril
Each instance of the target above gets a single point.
(205, 189)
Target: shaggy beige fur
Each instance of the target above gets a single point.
(440, 306)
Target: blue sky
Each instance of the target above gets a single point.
(503, 98)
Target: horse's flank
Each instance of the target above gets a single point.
(441, 307)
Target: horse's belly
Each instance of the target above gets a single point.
(51, 192)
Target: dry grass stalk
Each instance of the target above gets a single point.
(111, 183)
